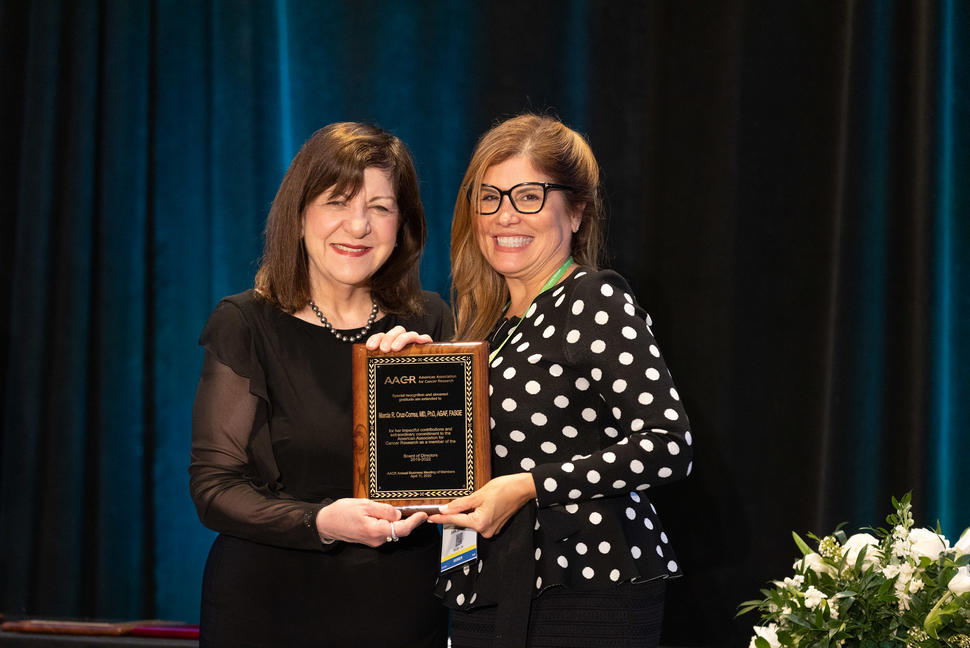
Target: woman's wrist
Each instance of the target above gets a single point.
(318, 525)
(528, 487)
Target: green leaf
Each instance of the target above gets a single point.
(934, 620)
(798, 620)
(761, 642)
(801, 544)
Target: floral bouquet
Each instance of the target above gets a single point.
(900, 588)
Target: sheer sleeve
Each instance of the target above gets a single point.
(230, 492)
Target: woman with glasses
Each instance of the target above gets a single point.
(585, 418)
(299, 561)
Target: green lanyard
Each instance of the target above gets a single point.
(552, 281)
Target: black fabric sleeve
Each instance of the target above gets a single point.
(608, 335)
(230, 493)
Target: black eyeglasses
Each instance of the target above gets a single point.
(525, 197)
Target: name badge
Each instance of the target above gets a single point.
(458, 546)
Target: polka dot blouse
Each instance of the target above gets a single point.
(580, 397)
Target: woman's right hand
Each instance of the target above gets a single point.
(489, 508)
(364, 521)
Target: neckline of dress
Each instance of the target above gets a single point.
(319, 327)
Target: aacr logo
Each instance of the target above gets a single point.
(399, 380)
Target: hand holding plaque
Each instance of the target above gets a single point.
(421, 424)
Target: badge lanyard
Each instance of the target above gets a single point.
(552, 281)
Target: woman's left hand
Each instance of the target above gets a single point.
(490, 507)
(396, 339)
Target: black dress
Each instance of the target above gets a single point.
(271, 444)
(581, 398)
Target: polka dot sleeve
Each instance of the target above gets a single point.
(643, 432)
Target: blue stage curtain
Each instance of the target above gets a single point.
(789, 194)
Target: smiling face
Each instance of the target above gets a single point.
(526, 248)
(348, 239)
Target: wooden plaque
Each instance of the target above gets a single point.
(421, 430)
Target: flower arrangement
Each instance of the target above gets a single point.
(901, 588)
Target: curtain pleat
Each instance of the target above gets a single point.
(787, 191)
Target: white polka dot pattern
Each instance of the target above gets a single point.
(584, 401)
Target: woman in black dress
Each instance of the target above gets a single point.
(585, 417)
(298, 561)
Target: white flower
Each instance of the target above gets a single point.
(963, 544)
(903, 600)
(813, 597)
(926, 543)
(915, 585)
(794, 583)
(814, 562)
(854, 545)
(769, 634)
(960, 583)
(904, 574)
(900, 548)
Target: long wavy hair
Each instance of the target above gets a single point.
(478, 292)
(335, 157)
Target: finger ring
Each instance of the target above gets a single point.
(393, 534)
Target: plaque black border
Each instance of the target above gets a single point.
(469, 410)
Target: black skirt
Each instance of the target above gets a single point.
(627, 616)
(256, 595)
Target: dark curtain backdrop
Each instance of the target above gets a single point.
(789, 192)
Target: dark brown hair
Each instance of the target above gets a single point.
(335, 157)
(478, 292)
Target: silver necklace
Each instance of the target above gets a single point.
(341, 336)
